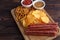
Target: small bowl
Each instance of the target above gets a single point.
(39, 7)
(26, 5)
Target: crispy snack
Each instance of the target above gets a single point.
(20, 12)
(27, 20)
(29, 16)
(45, 19)
(35, 17)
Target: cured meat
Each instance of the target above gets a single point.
(41, 33)
(44, 25)
(42, 29)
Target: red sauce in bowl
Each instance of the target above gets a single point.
(27, 2)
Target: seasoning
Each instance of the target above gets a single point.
(39, 4)
(27, 2)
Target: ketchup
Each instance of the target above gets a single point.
(27, 2)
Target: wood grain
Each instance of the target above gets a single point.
(8, 27)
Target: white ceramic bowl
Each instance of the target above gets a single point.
(39, 1)
(26, 5)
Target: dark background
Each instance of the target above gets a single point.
(8, 27)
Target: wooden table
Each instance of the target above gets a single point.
(8, 27)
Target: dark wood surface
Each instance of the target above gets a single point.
(8, 27)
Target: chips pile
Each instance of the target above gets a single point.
(30, 16)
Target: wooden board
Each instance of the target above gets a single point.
(26, 37)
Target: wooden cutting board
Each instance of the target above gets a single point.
(26, 37)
